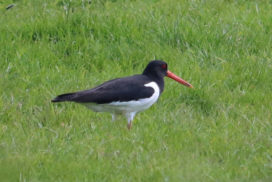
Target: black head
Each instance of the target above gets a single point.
(156, 69)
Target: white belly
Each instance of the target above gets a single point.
(129, 106)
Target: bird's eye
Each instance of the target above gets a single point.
(164, 66)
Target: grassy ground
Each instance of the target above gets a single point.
(220, 131)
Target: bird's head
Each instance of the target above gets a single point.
(158, 69)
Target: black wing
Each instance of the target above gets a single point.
(120, 89)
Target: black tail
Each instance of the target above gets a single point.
(64, 97)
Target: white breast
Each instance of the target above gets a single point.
(129, 106)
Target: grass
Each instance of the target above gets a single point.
(219, 131)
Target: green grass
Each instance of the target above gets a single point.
(219, 131)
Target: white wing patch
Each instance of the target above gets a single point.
(150, 101)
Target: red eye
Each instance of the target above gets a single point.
(164, 66)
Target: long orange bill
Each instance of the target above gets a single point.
(178, 79)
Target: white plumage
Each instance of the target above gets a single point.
(128, 108)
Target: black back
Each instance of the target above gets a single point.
(121, 89)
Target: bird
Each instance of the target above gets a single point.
(128, 95)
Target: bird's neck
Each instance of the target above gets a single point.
(158, 80)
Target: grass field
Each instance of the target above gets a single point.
(219, 131)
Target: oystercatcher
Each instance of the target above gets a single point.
(128, 95)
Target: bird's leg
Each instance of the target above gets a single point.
(113, 117)
(129, 125)
(130, 117)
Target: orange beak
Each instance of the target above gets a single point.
(178, 79)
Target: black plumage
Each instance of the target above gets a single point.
(121, 89)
